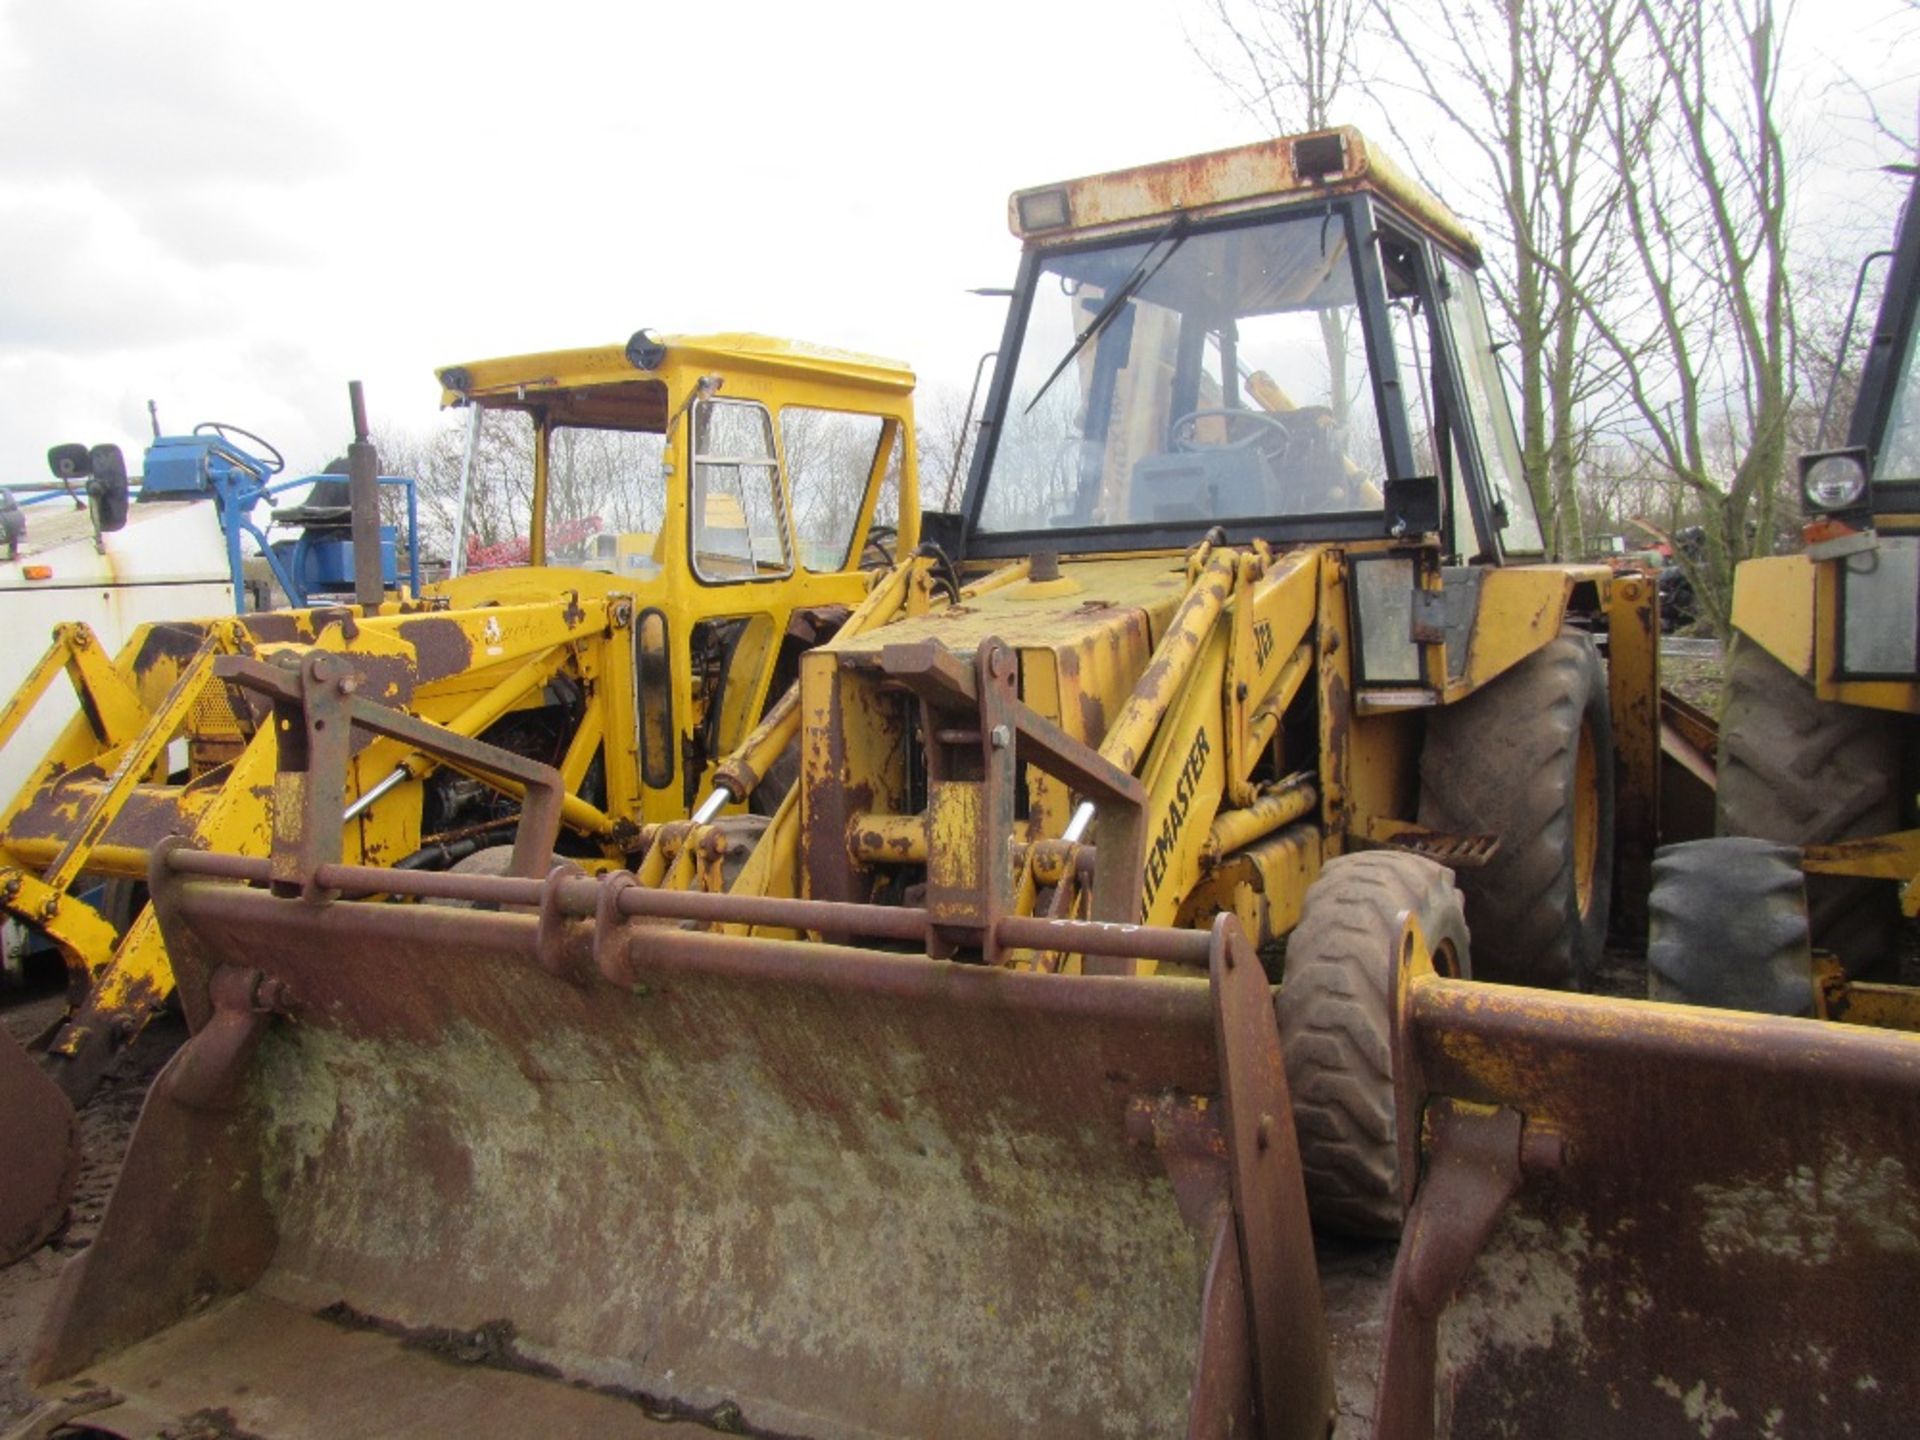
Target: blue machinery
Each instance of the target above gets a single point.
(213, 463)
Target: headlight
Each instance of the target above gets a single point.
(1042, 210)
(1835, 480)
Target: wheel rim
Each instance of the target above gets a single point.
(1586, 819)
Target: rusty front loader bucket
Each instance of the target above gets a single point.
(563, 1165)
(443, 1171)
(1645, 1220)
(39, 1152)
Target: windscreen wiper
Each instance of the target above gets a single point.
(1132, 285)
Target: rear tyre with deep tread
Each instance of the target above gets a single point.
(1335, 1010)
(1729, 927)
(1800, 770)
(1529, 758)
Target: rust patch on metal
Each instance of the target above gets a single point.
(441, 647)
(174, 640)
(279, 627)
(345, 617)
(56, 805)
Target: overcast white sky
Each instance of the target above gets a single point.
(234, 206)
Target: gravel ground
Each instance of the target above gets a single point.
(1695, 680)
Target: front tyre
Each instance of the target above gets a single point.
(1335, 1010)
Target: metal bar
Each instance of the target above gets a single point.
(1077, 937)
(378, 791)
(1282, 805)
(459, 565)
(233, 524)
(1093, 937)
(1500, 1016)
(1846, 343)
(84, 939)
(542, 477)
(953, 471)
(1292, 1371)
(20, 704)
(1150, 999)
(1472, 1172)
(413, 536)
(874, 838)
(363, 484)
(1132, 732)
(1881, 857)
(1633, 685)
(1079, 765)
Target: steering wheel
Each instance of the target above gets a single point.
(227, 432)
(1266, 427)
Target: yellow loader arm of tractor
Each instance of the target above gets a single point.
(160, 748)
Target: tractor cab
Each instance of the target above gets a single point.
(739, 489)
(1285, 341)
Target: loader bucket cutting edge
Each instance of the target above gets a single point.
(40, 1140)
(785, 1189)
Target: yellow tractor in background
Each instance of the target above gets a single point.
(1799, 908)
(682, 517)
(1121, 918)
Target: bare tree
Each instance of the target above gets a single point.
(1286, 61)
(1703, 335)
(1517, 83)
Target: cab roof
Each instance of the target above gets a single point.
(521, 380)
(1340, 161)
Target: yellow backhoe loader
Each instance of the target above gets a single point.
(964, 1102)
(1801, 906)
(650, 535)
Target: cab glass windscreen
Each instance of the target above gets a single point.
(1194, 377)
